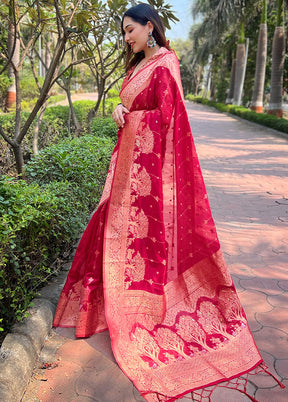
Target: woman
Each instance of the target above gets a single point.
(149, 265)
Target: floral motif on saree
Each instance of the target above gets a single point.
(175, 320)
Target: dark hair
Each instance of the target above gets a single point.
(142, 13)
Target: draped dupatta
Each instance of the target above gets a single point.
(175, 320)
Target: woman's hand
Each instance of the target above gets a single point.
(118, 115)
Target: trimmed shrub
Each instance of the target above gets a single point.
(104, 127)
(42, 218)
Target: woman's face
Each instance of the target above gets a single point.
(136, 34)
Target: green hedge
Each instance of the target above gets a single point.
(42, 217)
(267, 120)
(54, 127)
(104, 127)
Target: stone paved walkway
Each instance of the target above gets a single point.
(245, 168)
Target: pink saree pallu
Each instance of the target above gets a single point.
(149, 265)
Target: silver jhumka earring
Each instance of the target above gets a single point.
(151, 42)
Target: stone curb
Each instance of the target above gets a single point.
(21, 347)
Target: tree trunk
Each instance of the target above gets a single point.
(258, 90)
(72, 111)
(208, 77)
(213, 91)
(239, 71)
(14, 55)
(100, 89)
(37, 127)
(278, 55)
(230, 97)
(198, 79)
(18, 156)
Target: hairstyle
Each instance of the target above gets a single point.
(142, 13)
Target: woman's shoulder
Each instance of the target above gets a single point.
(168, 59)
(167, 56)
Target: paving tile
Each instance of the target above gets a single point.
(278, 318)
(187, 398)
(263, 380)
(60, 383)
(250, 299)
(269, 360)
(281, 367)
(102, 343)
(137, 395)
(76, 351)
(283, 285)
(97, 384)
(228, 395)
(279, 301)
(254, 301)
(237, 285)
(251, 260)
(276, 271)
(275, 394)
(241, 271)
(266, 285)
(272, 341)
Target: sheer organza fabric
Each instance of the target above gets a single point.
(149, 266)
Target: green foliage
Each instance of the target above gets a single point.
(4, 85)
(82, 109)
(110, 105)
(26, 219)
(165, 12)
(104, 127)
(27, 105)
(113, 93)
(222, 87)
(79, 161)
(42, 217)
(29, 89)
(260, 118)
(54, 126)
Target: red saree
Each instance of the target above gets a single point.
(149, 265)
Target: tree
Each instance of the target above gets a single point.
(13, 53)
(240, 66)
(73, 24)
(278, 57)
(259, 82)
(190, 74)
(106, 48)
(220, 20)
(68, 20)
(230, 97)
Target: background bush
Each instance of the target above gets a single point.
(42, 217)
(54, 128)
(29, 89)
(104, 127)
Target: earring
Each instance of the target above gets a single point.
(151, 42)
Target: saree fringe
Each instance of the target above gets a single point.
(237, 383)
